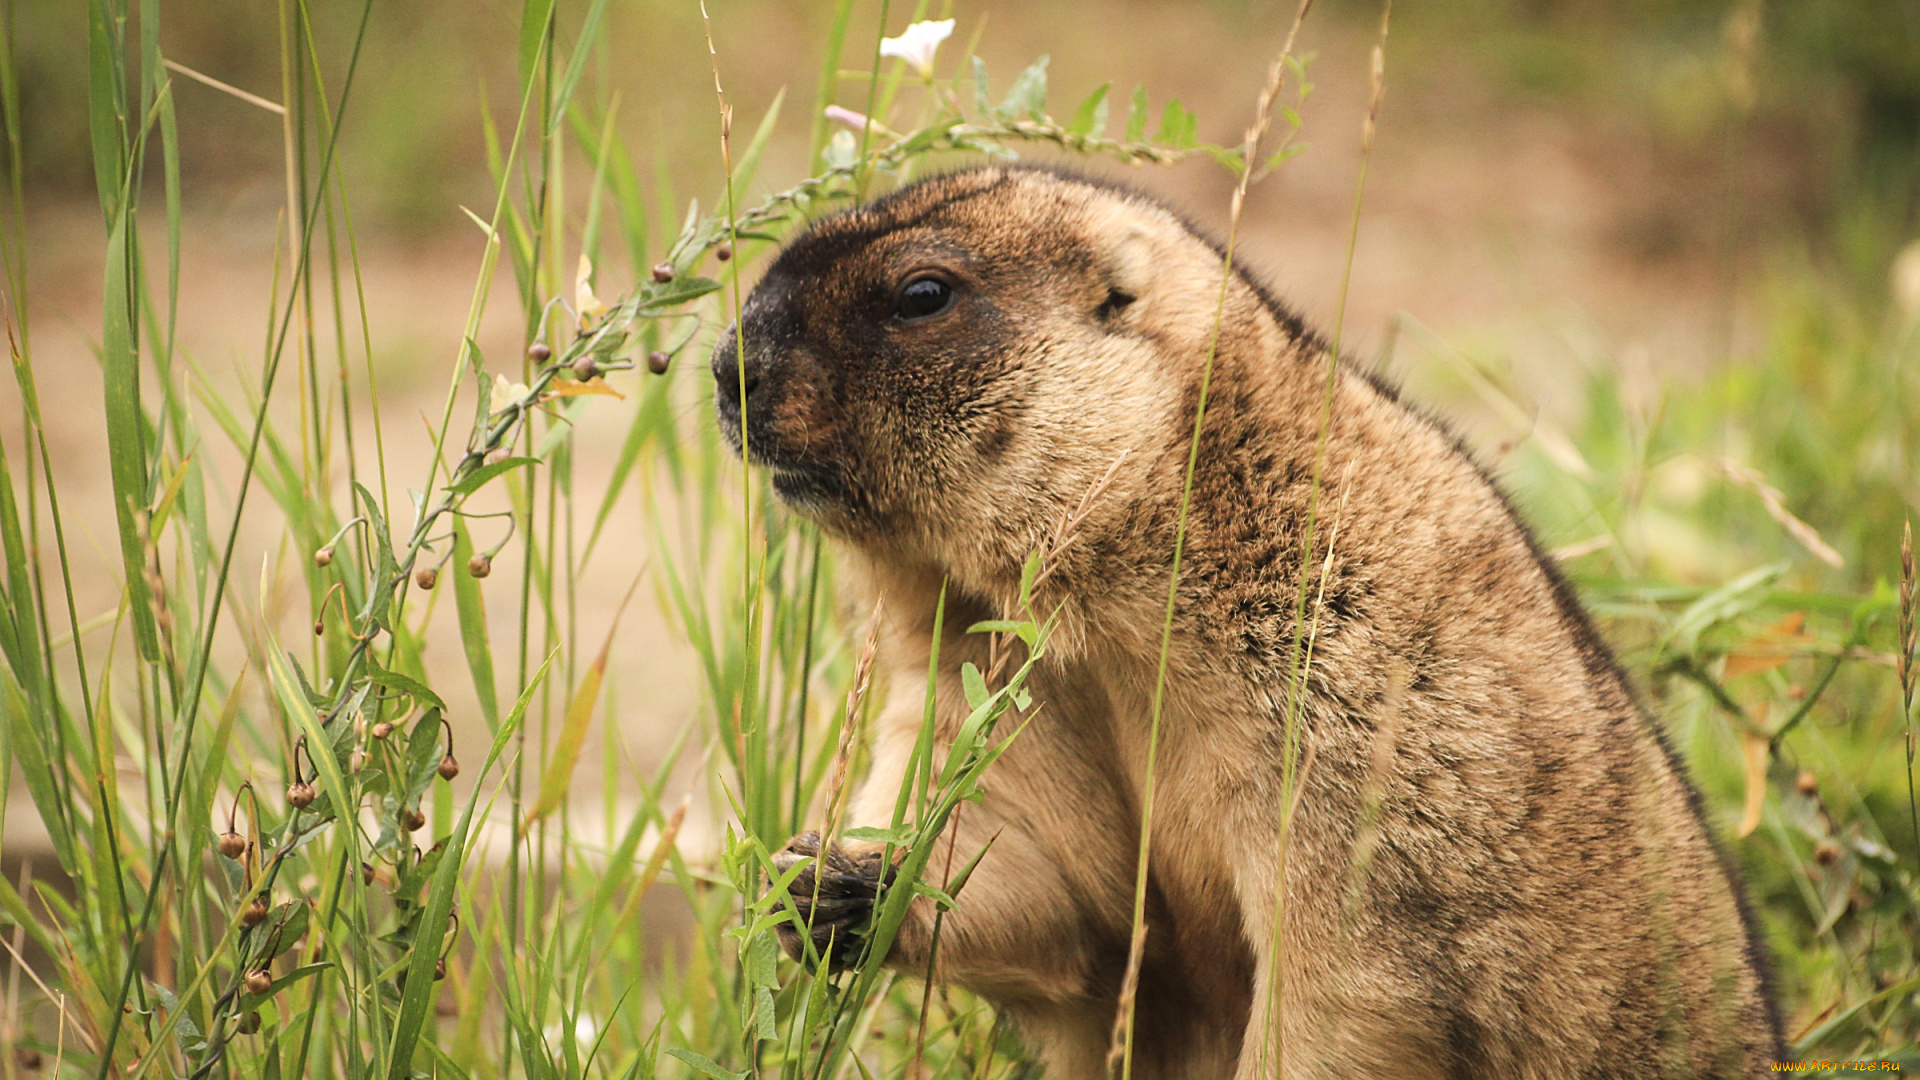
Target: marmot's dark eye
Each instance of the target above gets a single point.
(923, 297)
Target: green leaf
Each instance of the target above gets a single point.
(474, 639)
(1029, 94)
(676, 292)
(1177, 125)
(393, 680)
(478, 478)
(126, 428)
(996, 626)
(1137, 115)
(869, 834)
(974, 685)
(705, 1064)
(1091, 117)
(982, 105)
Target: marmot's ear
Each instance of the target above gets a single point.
(1130, 262)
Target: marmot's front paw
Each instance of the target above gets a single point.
(839, 910)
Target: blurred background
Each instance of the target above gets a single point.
(1612, 218)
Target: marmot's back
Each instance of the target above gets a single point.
(1497, 869)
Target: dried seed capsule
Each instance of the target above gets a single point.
(413, 819)
(232, 844)
(301, 794)
(1826, 853)
(663, 272)
(425, 577)
(480, 566)
(324, 557)
(1806, 783)
(319, 628)
(259, 981)
(249, 1023)
(538, 352)
(584, 369)
(439, 969)
(381, 730)
(255, 912)
(366, 873)
(723, 252)
(657, 362)
(449, 767)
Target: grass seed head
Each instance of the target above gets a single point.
(657, 361)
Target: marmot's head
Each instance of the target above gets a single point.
(950, 369)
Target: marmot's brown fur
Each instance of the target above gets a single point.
(1497, 868)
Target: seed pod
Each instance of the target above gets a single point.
(1826, 853)
(538, 352)
(324, 557)
(259, 981)
(1806, 783)
(249, 1023)
(319, 628)
(366, 873)
(425, 577)
(584, 369)
(413, 819)
(723, 252)
(480, 566)
(449, 767)
(439, 969)
(255, 912)
(301, 794)
(381, 730)
(662, 272)
(657, 362)
(232, 844)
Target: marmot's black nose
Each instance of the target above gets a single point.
(729, 380)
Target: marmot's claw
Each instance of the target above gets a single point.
(835, 902)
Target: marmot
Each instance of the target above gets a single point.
(938, 378)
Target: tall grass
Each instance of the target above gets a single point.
(263, 864)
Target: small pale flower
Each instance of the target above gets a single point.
(505, 393)
(590, 307)
(917, 44)
(854, 120)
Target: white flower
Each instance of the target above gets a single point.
(917, 44)
(589, 305)
(504, 393)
